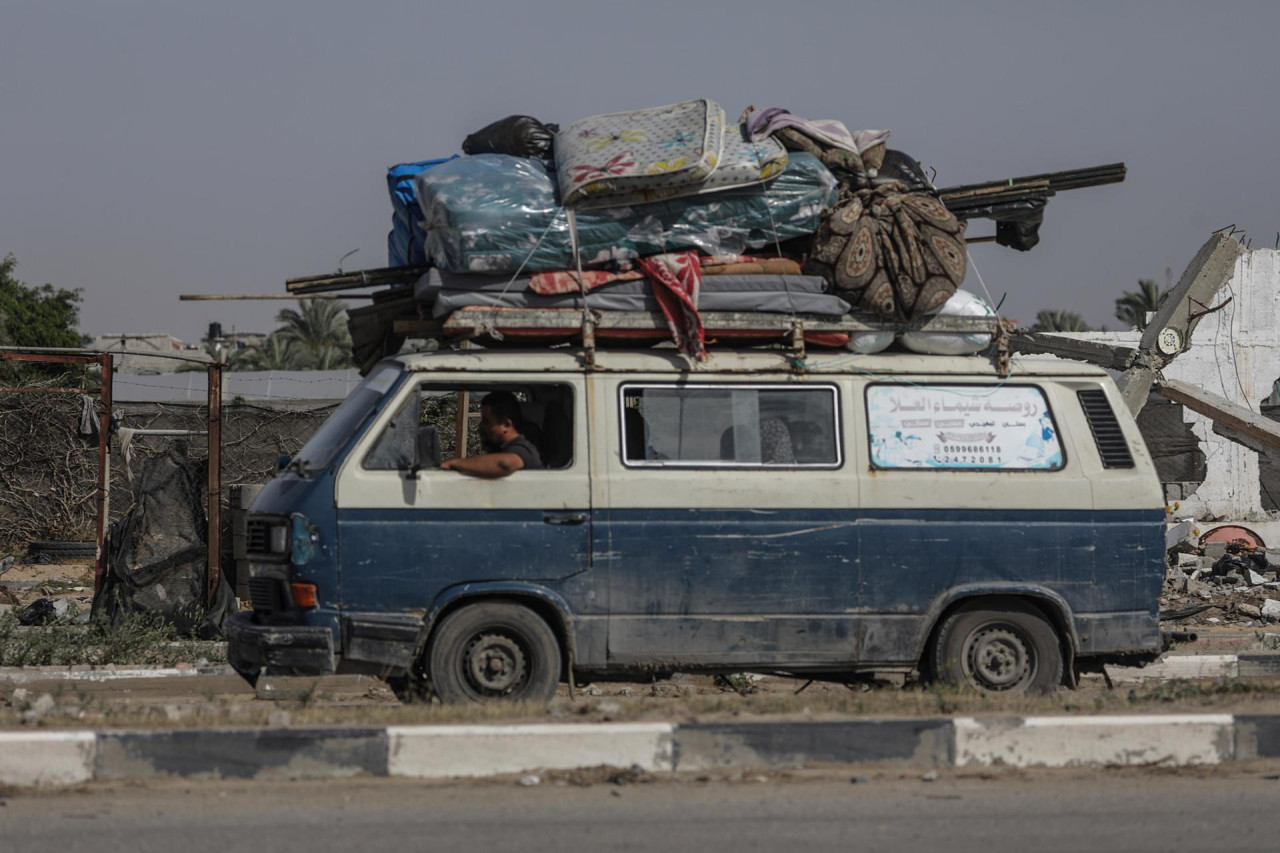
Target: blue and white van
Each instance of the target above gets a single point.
(857, 515)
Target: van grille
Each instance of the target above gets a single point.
(256, 536)
(265, 595)
(1107, 435)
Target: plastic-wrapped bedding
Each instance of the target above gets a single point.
(492, 213)
(406, 241)
(800, 294)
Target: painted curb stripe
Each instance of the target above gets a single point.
(1257, 736)
(917, 742)
(1174, 740)
(46, 759)
(427, 752)
(242, 754)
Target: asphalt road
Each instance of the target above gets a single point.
(1132, 811)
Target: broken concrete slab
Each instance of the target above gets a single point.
(1169, 331)
(1214, 551)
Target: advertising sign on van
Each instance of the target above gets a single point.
(1006, 427)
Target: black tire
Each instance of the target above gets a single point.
(61, 548)
(998, 645)
(493, 651)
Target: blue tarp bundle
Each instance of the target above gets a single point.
(496, 214)
(405, 243)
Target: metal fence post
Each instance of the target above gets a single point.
(214, 430)
(107, 362)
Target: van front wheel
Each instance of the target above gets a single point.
(998, 646)
(494, 651)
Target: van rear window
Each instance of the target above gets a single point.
(744, 426)
(975, 427)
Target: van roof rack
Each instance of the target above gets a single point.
(594, 329)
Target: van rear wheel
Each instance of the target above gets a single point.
(494, 651)
(998, 645)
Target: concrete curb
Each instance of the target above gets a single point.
(28, 674)
(1243, 665)
(53, 759)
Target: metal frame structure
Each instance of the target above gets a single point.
(106, 360)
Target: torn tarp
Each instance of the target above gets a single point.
(157, 561)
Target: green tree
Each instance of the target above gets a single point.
(274, 353)
(1050, 320)
(318, 330)
(1132, 307)
(37, 316)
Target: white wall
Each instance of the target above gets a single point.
(1234, 352)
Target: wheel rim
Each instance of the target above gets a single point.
(997, 658)
(495, 665)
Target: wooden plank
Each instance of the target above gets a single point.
(360, 278)
(1255, 429)
(1104, 355)
(1070, 179)
(218, 297)
(430, 328)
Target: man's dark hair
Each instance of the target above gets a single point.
(504, 406)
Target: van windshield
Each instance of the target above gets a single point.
(338, 429)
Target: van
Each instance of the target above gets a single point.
(852, 516)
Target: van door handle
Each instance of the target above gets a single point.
(565, 518)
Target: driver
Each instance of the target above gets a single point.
(508, 450)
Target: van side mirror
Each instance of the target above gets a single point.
(426, 449)
(282, 462)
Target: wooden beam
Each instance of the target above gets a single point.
(219, 297)
(360, 278)
(1254, 430)
(429, 328)
(1109, 356)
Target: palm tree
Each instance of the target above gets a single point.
(319, 330)
(1050, 320)
(274, 353)
(1132, 308)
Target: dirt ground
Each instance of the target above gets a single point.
(225, 700)
(70, 579)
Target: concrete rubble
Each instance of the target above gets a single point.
(1236, 582)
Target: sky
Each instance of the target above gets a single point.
(149, 149)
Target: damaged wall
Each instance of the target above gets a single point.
(1234, 352)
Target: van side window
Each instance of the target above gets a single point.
(730, 426)
(971, 427)
(430, 418)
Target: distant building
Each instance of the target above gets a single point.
(229, 342)
(140, 353)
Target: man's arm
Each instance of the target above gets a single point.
(490, 465)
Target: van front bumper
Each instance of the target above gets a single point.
(299, 649)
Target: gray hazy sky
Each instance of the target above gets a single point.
(149, 149)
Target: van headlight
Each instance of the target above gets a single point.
(278, 539)
(303, 540)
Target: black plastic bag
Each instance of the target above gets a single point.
(518, 136)
(898, 166)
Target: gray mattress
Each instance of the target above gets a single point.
(785, 294)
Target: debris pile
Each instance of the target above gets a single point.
(1236, 582)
